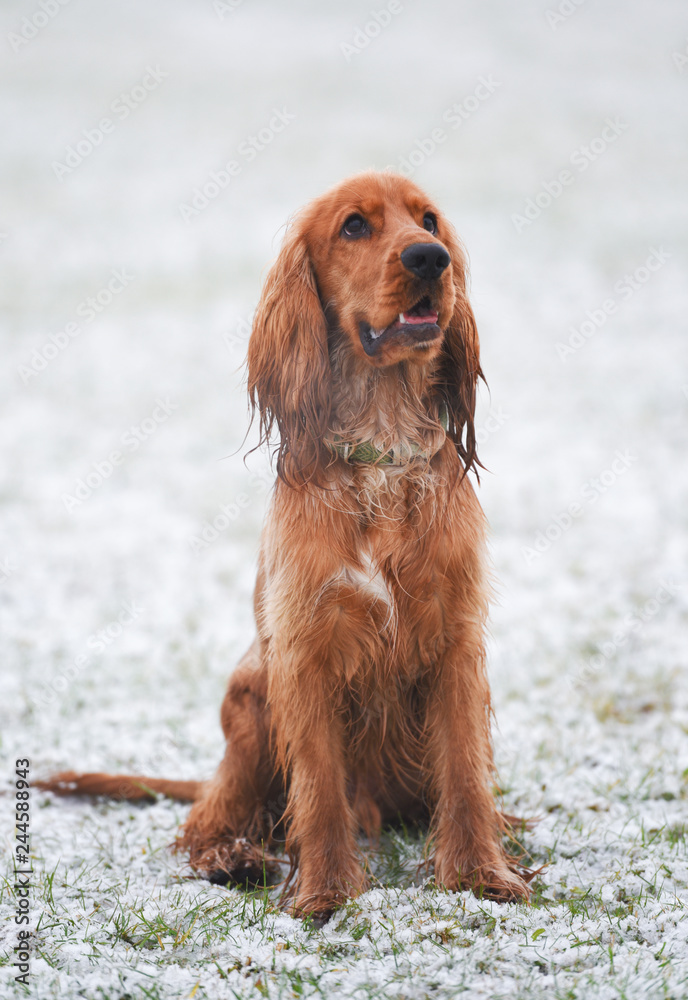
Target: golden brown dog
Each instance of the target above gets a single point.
(364, 696)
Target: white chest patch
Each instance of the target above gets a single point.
(368, 579)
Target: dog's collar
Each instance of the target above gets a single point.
(365, 452)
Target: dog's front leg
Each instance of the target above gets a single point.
(310, 739)
(466, 823)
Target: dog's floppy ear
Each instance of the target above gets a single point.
(289, 375)
(459, 368)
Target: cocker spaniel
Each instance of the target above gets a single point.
(364, 696)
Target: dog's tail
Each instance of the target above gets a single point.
(120, 786)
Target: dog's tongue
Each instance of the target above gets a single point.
(418, 318)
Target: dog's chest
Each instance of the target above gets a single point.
(395, 593)
(403, 573)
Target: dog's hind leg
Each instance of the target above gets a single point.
(229, 828)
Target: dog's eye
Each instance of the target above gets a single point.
(430, 223)
(355, 227)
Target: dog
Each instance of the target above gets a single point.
(364, 696)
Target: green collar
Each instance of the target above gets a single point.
(366, 453)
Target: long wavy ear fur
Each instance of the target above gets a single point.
(460, 369)
(289, 375)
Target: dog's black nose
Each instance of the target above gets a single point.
(425, 260)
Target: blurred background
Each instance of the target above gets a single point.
(131, 262)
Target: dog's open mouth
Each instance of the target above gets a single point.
(418, 325)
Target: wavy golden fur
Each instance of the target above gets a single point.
(364, 695)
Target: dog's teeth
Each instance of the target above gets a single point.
(402, 317)
(375, 333)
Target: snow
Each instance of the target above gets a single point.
(118, 635)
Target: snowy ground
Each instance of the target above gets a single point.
(588, 663)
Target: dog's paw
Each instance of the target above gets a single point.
(235, 861)
(318, 898)
(502, 884)
(496, 879)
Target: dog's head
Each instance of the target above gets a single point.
(374, 263)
